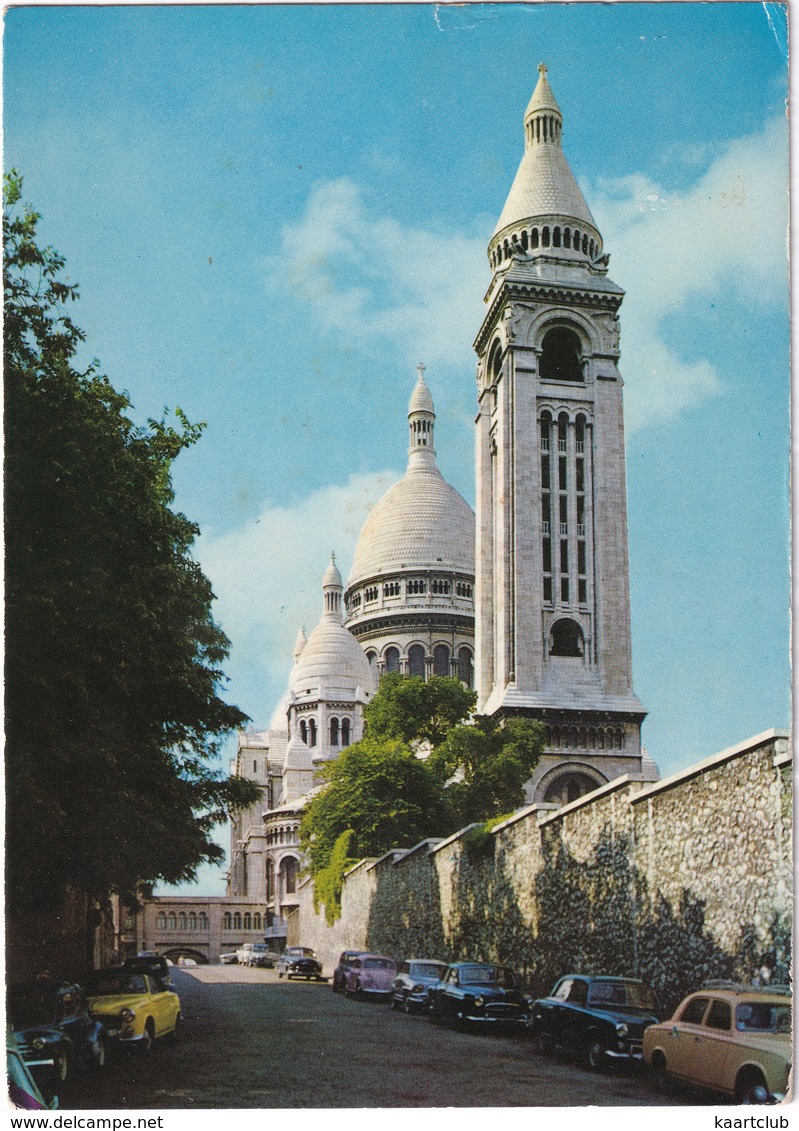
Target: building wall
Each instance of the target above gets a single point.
(676, 882)
(204, 943)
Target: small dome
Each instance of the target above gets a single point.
(332, 664)
(332, 575)
(420, 521)
(421, 397)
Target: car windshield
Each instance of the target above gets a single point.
(299, 952)
(27, 1008)
(260, 948)
(427, 969)
(763, 1017)
(110, 983)
(377, 964)
(620, 994)
(478, 975)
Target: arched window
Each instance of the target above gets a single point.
(256, 921)
(247, 921)
(288, 872)
(334, 732)
(236, 920)
(160, 921)
(172, 921)
(566, 638)
(545, 237)
(182, 921)
(556, 237)
(372, 658)
(192, 921)
(270, 879)
(312, 732)
(227, 921)
(202, 920)
(465, 666)
(416, 658)
(560, 355)
(304, 731)
(345, 732)
(568, 787)
(441, 660)
(534, 239)
(392, 660)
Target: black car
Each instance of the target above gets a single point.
(342, 970)
(54, 1029)
(299, 962)
(480, 993)
(596, 1019)
(153, 964)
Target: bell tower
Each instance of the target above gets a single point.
(552, 576)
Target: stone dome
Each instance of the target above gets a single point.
(420, 521)
(332, 664)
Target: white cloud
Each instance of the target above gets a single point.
(267, 579)
(381, 284)
(725, 236)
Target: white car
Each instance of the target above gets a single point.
(255, 954)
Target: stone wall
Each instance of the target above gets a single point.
(676, 882)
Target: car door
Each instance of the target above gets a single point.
(683, 1042)
(160, 1006)
(73, 1019)
(450, 994)
(553, 1016)
(572, 1017)
(715, 1043)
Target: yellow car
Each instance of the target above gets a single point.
(734, 1040)
(135, 1008)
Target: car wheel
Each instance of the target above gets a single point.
(406, 1005)
(62, 1066)
(395, 1004)
(660, 1077)
(99, 1052)
(147, 1040)
(280, 973)
(752, 1090)
(353, 991)
(544, 1043)
(595, 1050)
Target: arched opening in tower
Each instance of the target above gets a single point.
(560, 355)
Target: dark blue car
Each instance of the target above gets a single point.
(596, 1019)
(53, 1028)
(476, 992)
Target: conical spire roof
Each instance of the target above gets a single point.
(544, 185)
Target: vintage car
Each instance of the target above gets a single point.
(299, 962)
(53, 1027)
(255, 954)
(147, 962)
(372, 975)
(230, 958)
(342, 970)
(596, 1019)
(477, 992)
(133, 1007)
(23, 1090)
(733, 1040)
(412, 984)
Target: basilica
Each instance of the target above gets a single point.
(526, 600)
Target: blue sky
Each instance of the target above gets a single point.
(274, 213)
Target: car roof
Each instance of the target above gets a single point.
(764, 993)
(605, 978)
(369, 954)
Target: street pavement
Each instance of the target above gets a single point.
(250, 1040)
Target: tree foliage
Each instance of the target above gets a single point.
(329, 881)
(384, 795)
(412, 709)
(113, 660)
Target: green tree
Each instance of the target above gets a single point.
(113, 659)
(487, 765)
(379, 791)
(412, 709)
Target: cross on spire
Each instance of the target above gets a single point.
(420, 369)
(542, 68)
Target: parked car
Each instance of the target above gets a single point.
(148, 962)
(734, 1040)
(255, 954)
(371, 974)
(23, 1090)
(299, 962)
(133, 1007)
(596, 1019)
(52, 1026)
(231, 958)
(479, 992)
(343, 968)
(412, 984)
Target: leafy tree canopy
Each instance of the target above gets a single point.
(384, 795)
(113, 660)
(412, 709)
